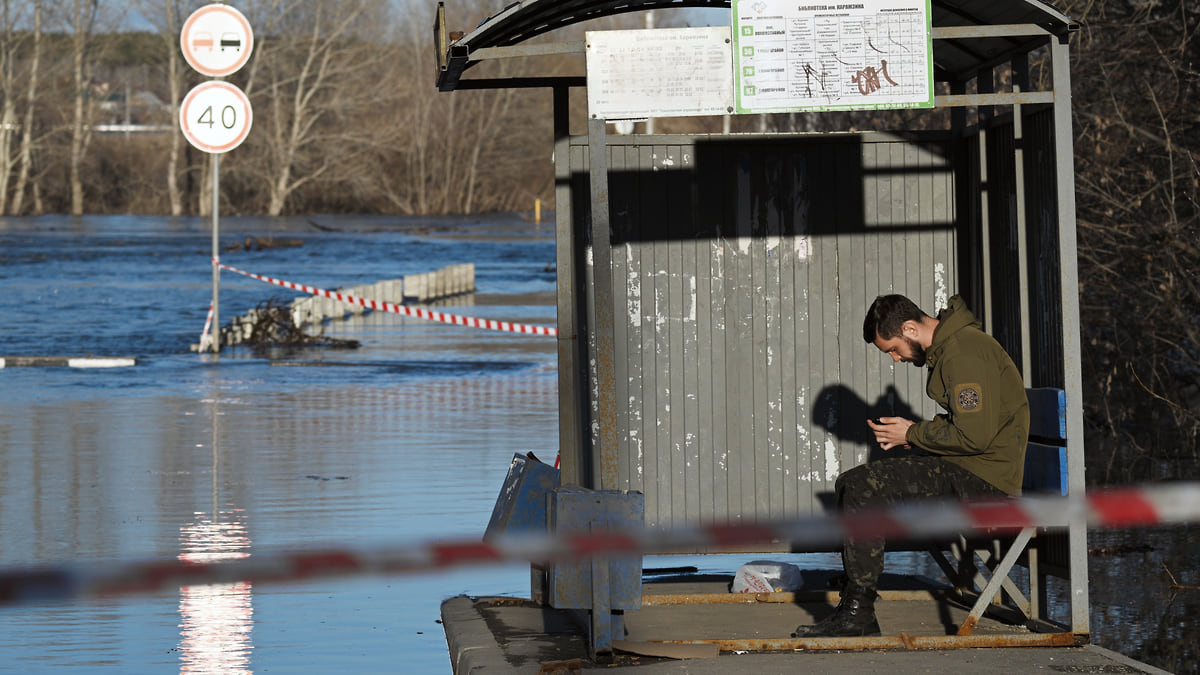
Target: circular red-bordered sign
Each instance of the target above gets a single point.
(216, 40)
(215, 116)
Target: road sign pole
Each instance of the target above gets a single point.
(215, 116)
(216, 252)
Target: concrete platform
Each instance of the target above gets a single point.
(706, 629)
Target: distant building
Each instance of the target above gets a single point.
(134, 112)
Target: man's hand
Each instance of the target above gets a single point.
(891, 432)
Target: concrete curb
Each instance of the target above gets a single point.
(1121, 659)
(473, 647)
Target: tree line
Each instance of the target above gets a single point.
(347, 119)
(346, 116)
(1136, 80)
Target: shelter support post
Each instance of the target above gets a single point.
(1020, 70)
(572, 352)
(1064, 157)
(605, 458)
(985, 83)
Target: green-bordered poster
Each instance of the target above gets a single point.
(792, 55)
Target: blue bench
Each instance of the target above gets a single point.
(1045, 472)
(1046, 455)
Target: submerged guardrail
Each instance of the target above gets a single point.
(322, 305)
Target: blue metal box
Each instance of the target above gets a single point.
(521, 506)
(576, 509)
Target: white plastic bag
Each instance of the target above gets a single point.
(765, 576)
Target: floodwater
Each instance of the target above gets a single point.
(406, 439)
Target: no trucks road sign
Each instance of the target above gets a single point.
(215, 116)
(216, 40)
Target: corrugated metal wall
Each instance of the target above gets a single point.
(742, 267)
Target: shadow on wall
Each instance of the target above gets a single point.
(844, 414)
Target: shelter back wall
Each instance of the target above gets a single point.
(742, 267)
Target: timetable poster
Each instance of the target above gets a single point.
(665, 72)
(792, 55)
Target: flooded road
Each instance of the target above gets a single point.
(199, 457)
(406, 439)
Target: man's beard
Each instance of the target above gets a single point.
(918, 352)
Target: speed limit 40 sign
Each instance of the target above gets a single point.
(215, 116)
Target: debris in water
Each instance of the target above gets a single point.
(271, 325)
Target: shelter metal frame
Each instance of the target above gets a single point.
(971, 39)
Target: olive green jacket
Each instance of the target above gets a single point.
(986, 424)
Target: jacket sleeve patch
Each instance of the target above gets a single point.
(968, 397)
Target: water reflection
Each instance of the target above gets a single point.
(216, 619)
(1145, 589)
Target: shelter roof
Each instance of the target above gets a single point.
(956, 57)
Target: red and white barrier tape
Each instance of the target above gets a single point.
(486, 324)
(205, 337)
(916, 521)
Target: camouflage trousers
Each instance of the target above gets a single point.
(889, 481)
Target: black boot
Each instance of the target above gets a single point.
(854, 617)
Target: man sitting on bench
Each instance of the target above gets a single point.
(975, 449)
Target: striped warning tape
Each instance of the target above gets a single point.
(458, 320)
(206, 337)
(916, 521)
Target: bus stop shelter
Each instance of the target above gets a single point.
(711, 287)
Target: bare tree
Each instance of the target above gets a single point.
(1138, 192)
(168, 16)
(25, 154)
(308, 80)
(465, 151)
(8, 113)
(83, 21)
